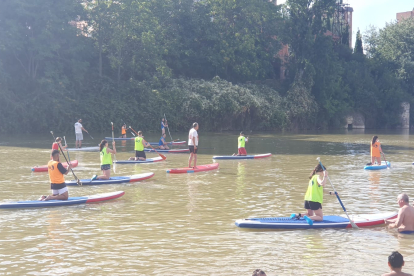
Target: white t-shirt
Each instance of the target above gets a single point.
(191, 134)
(78, 127)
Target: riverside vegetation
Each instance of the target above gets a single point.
(211, 61)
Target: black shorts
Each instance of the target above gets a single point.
(105, 167)
(54, 186)
(140, 154)
(192, 150)
(312, 205)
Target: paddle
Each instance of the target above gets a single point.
(113, 140)
(74, 175)
(161, 155)
(385, 161)
(64, 138)
(168, 127)
(337, 196)
(90, 135)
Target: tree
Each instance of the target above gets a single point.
(358, 44)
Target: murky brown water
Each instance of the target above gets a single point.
(184, 224)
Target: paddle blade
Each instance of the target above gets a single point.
(162, 156)
(79, 182)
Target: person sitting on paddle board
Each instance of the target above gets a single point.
(162, 144)
(314, 195)
(241, 140)
(123, 131)
(396, 262)
(57, 181)
(163, 125)
(405, 220)
(140, 144)
(193, 144)
(55, 145)
(375, 151)
(106, 159)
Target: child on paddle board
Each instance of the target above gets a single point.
(314, 196)
(162, 144)
(241, 140)
(106, 160)
(123, 131)
(375, 151)
(55, 145)
(140, 144)
(163, 126)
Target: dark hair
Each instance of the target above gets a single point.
(374, 139)
(258, 272)
(54, 152)
(102, 145)
(396, 260)
(241, 132)
(195, 124)
(139, 132)
(318, 168)
(58, 139)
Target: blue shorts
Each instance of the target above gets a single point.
(105, 167)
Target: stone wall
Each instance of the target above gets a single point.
(355, 120)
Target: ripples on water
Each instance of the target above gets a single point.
(184, 224)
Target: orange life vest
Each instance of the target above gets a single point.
(55, 175)
(375, 152)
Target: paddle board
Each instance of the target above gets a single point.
(84, 149)
(112, 180)
(200, 168)
(44, 167)
(169, 151)
(119, 139)
(256, 156)
(148, 160)
(70, 201)
(378, 167)
(169, 143)
(342, 221)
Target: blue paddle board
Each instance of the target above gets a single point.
(54, 203)
(256, 156)
(378, 167)
(112, 180)
(148, 160)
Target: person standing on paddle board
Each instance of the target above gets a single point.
(241, 140)
(140, 144)
(106, 159)
(78, 133)
(123, 131)
(162, 144)
(163, 125)
(314, 195)
(405, 220)
(57, 181)
(375, 151)
(192, 145)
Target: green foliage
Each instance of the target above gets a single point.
(358, 44)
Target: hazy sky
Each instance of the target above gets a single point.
(374, 12)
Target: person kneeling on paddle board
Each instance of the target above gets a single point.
(57, 180)
(314, 196)
(140, 144)
(106, 159)
(162, 144)
(55, 145)
(376, 151)
(242, 144)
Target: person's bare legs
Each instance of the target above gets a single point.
(195, 160)
(106, 175)
(190, 159)
(63, 196)
(317, 215)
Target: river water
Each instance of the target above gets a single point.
(184, 224)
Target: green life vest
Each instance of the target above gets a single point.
(315, 191)
(242, 142)
(138, 144)
(106, 158)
